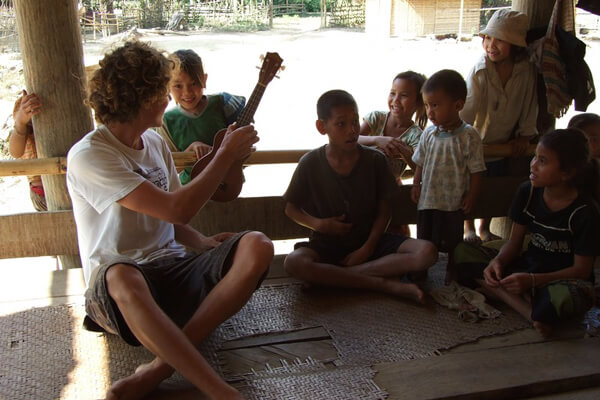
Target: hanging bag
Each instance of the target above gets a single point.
(546, 55)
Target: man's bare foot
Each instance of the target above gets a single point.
(142, 382)
(488, 236)
(406, 290)
(471, 237)
(543, 329)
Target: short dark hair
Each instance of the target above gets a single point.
(584, 120)
(129, 77)
(189, 62)
(449, 81)
(331, 99)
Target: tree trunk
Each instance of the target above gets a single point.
(52, 55)
(323, 13)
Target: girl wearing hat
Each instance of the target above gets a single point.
(501, 100)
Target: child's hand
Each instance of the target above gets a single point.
(238, 142)
(516, 283)
(357, 257)
(415, 193)
(334, 226)
(519, 146)
(382, 143)
(492, 274)
(199, 148)
(26, 107)
(403, 149)
(468, 202)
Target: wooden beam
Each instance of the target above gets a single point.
(38, 234)
(52, 233)
(505, 373)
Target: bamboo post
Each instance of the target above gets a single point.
(460, 19)
(52, 55)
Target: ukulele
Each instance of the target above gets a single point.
(230, 188)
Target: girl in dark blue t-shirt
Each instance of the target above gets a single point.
(552, 279)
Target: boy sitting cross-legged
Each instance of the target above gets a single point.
(341, 191)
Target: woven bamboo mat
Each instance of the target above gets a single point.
(45, 354)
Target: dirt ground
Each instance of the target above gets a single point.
(315, 60)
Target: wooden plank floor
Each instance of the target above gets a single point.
(496, 367)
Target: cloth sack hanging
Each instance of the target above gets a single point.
(545, 53)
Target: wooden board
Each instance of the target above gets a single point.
(52, 233)
(255, 353)
(503, 373)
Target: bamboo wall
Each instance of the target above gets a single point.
(437, 17)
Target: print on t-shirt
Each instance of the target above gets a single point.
(155, 175)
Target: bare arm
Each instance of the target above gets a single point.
(473, 193)
(332, 226)
(25, 107)
(380, 224)
(415, 192)
(180, 206)
(521, 281)
(493, 273)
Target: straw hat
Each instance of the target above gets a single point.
(507, 25)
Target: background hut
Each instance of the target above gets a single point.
(422, 17)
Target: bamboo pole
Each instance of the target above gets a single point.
(58, 165)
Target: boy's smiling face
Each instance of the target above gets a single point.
(187, 92)
(442, 110)
(342, 127)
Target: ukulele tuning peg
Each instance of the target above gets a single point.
(282, 68)
(262, 57)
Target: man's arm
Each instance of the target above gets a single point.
(180, 206)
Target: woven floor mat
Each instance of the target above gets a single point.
(45, 354)
(367, 328)
(312, 380)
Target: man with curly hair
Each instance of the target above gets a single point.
(132, 219)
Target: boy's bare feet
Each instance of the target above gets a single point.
(488, 236)
(543, 329)
(406, 290)
(471, 237)
(142, 382)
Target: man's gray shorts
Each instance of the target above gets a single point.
(178, 285)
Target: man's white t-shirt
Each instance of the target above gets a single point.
(101, 171)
